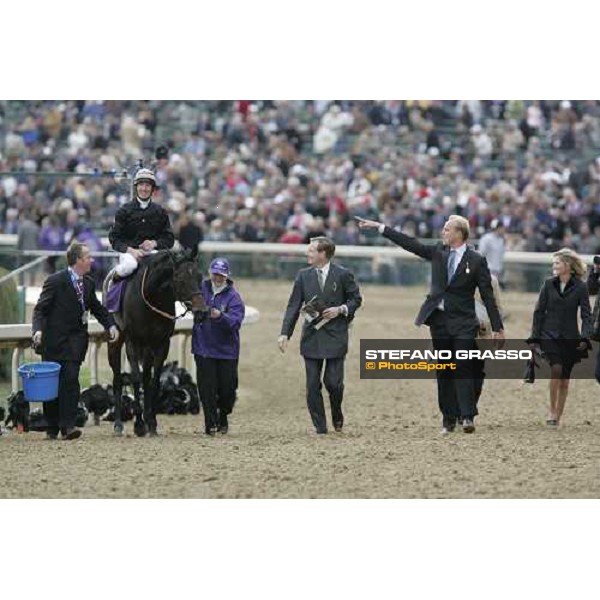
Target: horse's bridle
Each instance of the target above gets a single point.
(166, 315)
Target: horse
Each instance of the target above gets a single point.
(146, 322)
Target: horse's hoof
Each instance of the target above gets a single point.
(118, 430)
(96, 420)
(139, 429)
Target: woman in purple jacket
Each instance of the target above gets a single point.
(216, 346)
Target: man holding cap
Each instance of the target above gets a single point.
(331, 290)
(216, 346)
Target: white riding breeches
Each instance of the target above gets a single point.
(127, 265)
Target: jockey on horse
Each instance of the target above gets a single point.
(147, 317)
(140, 227)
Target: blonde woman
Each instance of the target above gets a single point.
(555, 327)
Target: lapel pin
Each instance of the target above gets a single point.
(334, 286)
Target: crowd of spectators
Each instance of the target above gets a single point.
(285, 171)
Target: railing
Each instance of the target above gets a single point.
(18, 337)
(10, 240)
(372, 264)
(24, 269)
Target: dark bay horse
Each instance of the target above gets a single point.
(147, 321)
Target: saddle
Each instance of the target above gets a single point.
(113, 291)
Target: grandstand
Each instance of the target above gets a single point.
(274, 171)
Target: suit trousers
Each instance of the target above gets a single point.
(456, 389)
(333, 378)
(62, 412)
(217, 380)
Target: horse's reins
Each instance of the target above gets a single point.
(157, 310)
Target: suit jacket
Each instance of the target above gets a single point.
(331, 341)
(58, 315)
(458, 294)
(555, 314)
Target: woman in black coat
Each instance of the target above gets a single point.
(555, 327)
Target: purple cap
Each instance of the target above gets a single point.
(220, 266)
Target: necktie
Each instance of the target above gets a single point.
(79, 288)
(452, 264)
(321, 278)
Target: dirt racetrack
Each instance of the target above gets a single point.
(391, 446)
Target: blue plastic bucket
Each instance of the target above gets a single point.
(40, 381)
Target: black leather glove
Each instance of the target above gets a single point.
(200, 316)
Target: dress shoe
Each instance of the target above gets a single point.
(448, 424)
(51, 435)
(212, 431)
(321, 431)
(223, 423)
(71, 434)
(468, 425)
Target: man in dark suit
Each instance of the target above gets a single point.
(449, 310)
(60, 330)
(325, 338)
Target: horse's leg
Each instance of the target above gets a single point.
(139, 426)
(159, 357)
(114, 360)
(134, 358)
(146, 381)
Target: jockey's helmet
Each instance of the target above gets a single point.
(145, 175)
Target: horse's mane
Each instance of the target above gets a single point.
(175, 257)
(151, 260)
(159, 269)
